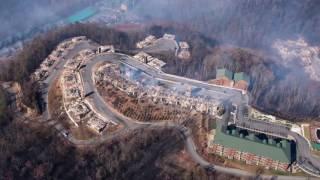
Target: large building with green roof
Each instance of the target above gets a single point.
(269, 152)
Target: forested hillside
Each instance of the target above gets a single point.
(3, 106)
(276, 89)
(243, 22)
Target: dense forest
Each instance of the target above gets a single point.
(36, 153)
(4, 111)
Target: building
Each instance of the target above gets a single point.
(241, 81)
(184, 45)
(236, 144)
(223, 78)
(224, 74)
(169, 36)
(77, 111)
(149, 40)
(96, 124)
(226, 78)
(184, 54)
(143, 57)
(151, 61)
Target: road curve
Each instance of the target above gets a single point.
(99, 104)
(191, 148)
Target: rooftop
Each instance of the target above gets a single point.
(241, 76)
(224, 73)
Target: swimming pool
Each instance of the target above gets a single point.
(82, 15)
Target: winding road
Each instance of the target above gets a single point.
(306, 160)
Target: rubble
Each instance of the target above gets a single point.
(183, 54)
(72, 93)
(70, 78)
(86, 53)
(106, 49)
(149, 40)
(184, 50)
(141, 86)
(151, 61)
(78, 39)
(184, 45)
(73, 64)
(77, 109)
(49, 63)
(97, 124)
(41, 74)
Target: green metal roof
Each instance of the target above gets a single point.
(241, 76)
(82, 15)
(282, 154)
(224, 73)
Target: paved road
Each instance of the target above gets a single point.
(307, 162)
(108, 112)
(87, 76)
(57, 71)
(96, 100)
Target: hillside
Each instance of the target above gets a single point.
(275, 41)
(275, 87)
(245, 23)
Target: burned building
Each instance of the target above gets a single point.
(106, 49)
(96, 124)
(184, 52)
(149, 40)
(148, 59)
(77, 111)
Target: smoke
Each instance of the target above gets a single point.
(21, 18)
(280, 83)
(244, 22)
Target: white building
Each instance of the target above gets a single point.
(169, 36)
